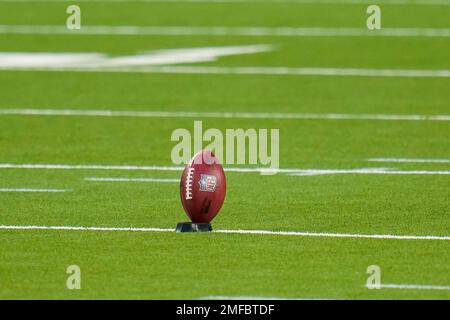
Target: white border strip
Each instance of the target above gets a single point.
(408, 160)
(34, 190)
(222, 115)
(225, 31)
(253, 232)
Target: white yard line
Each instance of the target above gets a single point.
(314, 172)
(408, 160)
(74, 228)
(87, 167)
(335, 235)
(226, 31)
(132, 179)
(279, 71)
(413, 287)
(252, 232)
(290, 171)
(34, 190)
(221, 115)
(254, 298)
(343, 2)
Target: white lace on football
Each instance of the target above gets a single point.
(189, 180)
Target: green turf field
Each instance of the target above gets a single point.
(403, 120)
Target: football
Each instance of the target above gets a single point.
(203, 187)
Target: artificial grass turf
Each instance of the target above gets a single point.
(168, 265)
(188, 266)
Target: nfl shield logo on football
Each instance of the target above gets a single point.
(207, 183)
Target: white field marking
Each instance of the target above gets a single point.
(254, 298)
(412, 286)
(131, 179)
(269, 71)
(73, 228)
(315, 172)
(124, 167)
(280, 71)
(408, 160)
(253, 232)
(343, 2)
(226, 31)
(52, 60)
(34, 190)
(161, 61)
(290, 171)
(334, 235)
(224, 115)
(88, 167)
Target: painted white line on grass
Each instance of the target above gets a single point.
(34, 190)
(222, 115)
(254, 298)
(127, 168)
(161, 61)
(335, 235)
(280, 71)
(408, 160)
(74, 228)
(290, 171)
(87, 167)
(412, 286)
(314, 172)
(252, 232)
(132, 179)
(269, 71)
(87, 60)
(343, 2)
(225, 31)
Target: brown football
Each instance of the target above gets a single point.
(203, 187)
